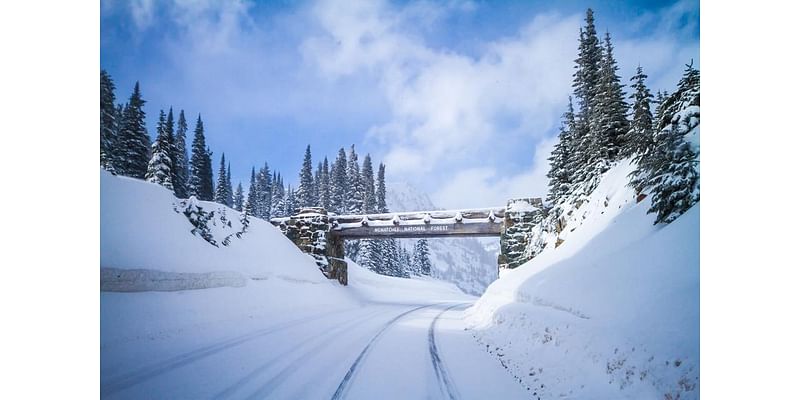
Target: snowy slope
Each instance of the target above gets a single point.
(613, 312)
(463, 261)
(142, 228)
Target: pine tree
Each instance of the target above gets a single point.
(355, 192)
(318, 185)
(238, 198)
(108, 121)
(305, 192)
(278, 197)
(290, 204)
(180, 180)
(133, 143)
(229, 187)
(609, 122)
(252, 195)
(640, 135)
(422, 261)
(221, 194)
(202, 180)
(380, 190)
(560, 174)
(368, 185)
(159, 169)
(338, 185)
(325, 186)
(264, 185)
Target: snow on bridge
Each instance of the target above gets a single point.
(458, 223)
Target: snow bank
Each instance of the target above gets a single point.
(146, 243)
(370, 287)
(613, 312)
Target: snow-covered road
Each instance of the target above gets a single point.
(376, 351)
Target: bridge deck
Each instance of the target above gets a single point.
(485, 222)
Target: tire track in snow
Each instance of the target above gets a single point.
(446, 386)
(292, 366)
(348, 377)
(151, 371)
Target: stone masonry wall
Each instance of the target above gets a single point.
(522, 215)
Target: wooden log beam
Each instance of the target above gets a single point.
(422, 230)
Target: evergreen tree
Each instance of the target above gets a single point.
(305, 192)
(238, 198)
(108, 121)
(290, 202)
(264, 184)
(252, 195)
(609, 123)
(355, 189)
(317, 185)
(368, 185)
(202, 179)
(380, 190)
(133, 142)
(180, 180)
(669, 170)
(338, 184)
(229, 187)
(278, 197)
(159, 169)
(640, 135)
(221, 195)
(422, 261)
(325, 186)
(560, 174)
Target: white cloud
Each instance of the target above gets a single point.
(490, 187)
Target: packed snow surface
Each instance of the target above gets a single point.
(612, 312)
(274, 327)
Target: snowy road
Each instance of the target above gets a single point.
(378, 351)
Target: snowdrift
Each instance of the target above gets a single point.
(147, 243)
(613, 312)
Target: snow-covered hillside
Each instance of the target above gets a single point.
(612, 312)
(463, 261)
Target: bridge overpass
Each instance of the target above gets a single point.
(322, 234)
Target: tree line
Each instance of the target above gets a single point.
(345, 186)
(601, 128)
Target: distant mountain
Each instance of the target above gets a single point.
(467, 262)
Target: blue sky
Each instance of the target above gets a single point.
(460, 98)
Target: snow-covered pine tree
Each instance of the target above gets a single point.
(368, 186)
(354, 198)
(325, 186)
(229, 190)
(317, 184)
(422, 261)
(671, 168)
(585, 89)
(339, 183)
(380, 190)
(133, 142)
(252, 195)
(290, 204)
(238, 197)
(108, 121)
(180, 180)
(640, 135)
(278, 197)
(305, 191)
(610, 123)
(221, 194)
(264, 184)
(159, 169)
(560, 174)
(202, 179)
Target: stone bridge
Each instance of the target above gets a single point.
(322, 234)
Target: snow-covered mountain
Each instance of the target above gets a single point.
(467, 262)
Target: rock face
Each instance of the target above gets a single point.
(522, 215)
(310, 230)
